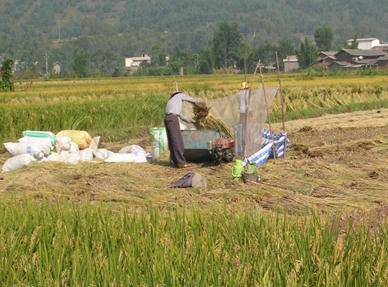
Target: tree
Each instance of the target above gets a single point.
(307, 53)
(354, 44)
(227, 42)
(286, 48)
(80, 63)
(323, 38)
(266, 53)
(158, 56)
(6, 83)
(206, 61)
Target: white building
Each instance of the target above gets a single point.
(56, 69)
(291, 63)
(366, 43)
(132, 64)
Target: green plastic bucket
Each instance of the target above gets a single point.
(237, 169)
(160, 135)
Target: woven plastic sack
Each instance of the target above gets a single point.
(86, 155)
(40, 135)
(18, 162)
(28, 148)
(81, 138)
(45, 141)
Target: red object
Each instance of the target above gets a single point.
(224, 143)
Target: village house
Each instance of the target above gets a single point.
(325, 59)
(367, 43)
(133, 64)
(350, 59)
(382, 62)
(355, 55)
(290, 63)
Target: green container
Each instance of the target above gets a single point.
(159, 135)
(238, 168)
(251, 169)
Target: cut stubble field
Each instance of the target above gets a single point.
(336, 162)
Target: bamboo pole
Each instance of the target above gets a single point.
(267, 107)
(265, 96)
(282, 99)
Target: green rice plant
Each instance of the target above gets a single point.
(123, 106)
(43, 244)
(130, 113)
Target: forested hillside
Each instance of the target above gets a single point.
(111, 29)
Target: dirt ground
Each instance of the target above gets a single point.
(336, 163)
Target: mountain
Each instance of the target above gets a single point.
(118, 28)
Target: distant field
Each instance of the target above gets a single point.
(118, 107)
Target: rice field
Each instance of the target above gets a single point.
(91, 226)
(76, 245)
(120, 106)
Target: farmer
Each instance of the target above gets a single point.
(171, 121)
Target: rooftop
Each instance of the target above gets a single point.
(329, 53)
(357, 52)
(291, 58)
(144, 58)
(363, 40)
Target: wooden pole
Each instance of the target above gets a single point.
(267, 108)
(176, 85)
(282, 99)
(265, 96)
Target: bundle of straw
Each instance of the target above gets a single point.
(202, 120)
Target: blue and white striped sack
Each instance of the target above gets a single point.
(281, 142)
(262, 156)
(270, 139)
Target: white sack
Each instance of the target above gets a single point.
(103, 154)
(121, 157)
(94, 144)
(63, 143)
(70, 157)
(44, 141)
(27, 148)
(86, 155)
(53, 157)
(17, 162)
(139, 154)
(126, 158)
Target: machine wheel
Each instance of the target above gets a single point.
(228, 155)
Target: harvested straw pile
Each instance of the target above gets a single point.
(202, 120)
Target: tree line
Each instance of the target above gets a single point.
(104, 32)
(227, 51)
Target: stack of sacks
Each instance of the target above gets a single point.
(30, 148)
(280, 141)
(73, 147)
(37, 146)
(70, 147)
